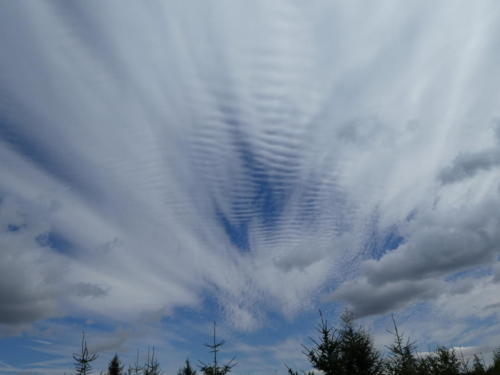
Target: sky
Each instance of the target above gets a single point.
(165, 164)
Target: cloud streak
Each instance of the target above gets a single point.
(156, 154)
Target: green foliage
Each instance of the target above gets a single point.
(402, 360)
(477, 366)
(495, 367)
(84, 359)
(442, 362)
(214, 368)
(344, 351)
(446, 362)
(115, 367)
(187, 369)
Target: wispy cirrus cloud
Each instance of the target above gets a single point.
(261, 155)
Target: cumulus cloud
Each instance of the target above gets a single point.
(441, 242)
(367, 299)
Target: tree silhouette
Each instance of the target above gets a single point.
(477, 366)
(152, 366)
(84, 359)
(115, 367)
(187, 369)
(443, 361)
(495, 367)
(402, 360)
(215, 369)
(136, 369)
(344, 351)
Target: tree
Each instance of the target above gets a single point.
(401, 359)
(215, 369)
(115, 367)
(447, 362)
(442, 362)
(136, 369)
(84, 359)
(152, 366)
(494, 369)
(324, 355)
(477, 366)
(187, 369)
(358, 354)
(344, 351)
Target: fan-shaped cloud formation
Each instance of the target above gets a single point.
(154, 154)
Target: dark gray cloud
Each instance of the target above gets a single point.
(88, 290)
(26, 294)
(434, 251)
(467, 164)
(367, 299)
(438, 243)
(496, 275)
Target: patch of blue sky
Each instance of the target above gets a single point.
(267, 198)
(476, 272)
(57, 242)
(19, 351)
(14, 227)
(237, 232)
(382, 241)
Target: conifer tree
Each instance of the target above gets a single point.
(447, 362)
(187, 369)
(84, 359)
(358, 354)
(344, 351)
(324, 355)
(402, 360)
(214, 368)
(136, 369)
(115, 367)
(442, 362)
(494, 369)
(152, 366)
(477, 366)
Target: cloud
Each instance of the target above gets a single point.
(175, 152)
(467, 165)
(456, 233)
(367, 299)
(29, 280)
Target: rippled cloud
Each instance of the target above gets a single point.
(263, 154)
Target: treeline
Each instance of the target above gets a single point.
(344, 350)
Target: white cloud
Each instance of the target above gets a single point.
(145, 131)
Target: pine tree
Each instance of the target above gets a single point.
(401, 359)
(494, 369)
(358, 354)
(84, 359)
(448, 363)
(187, 369)
(324, 355)
(115, 367)
(477, 366)
(442, 362)
(136, 369)
(152, 366)
(344, 351)
(215, 369)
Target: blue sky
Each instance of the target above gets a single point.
(169, 163)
